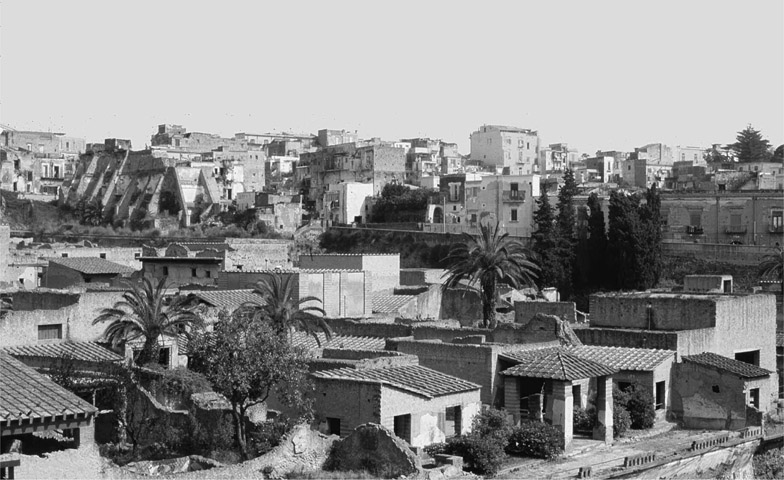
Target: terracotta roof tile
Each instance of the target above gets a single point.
(413, 378)
(92, 266)
(624, 358)
(390, 303)
(83, 351)
(228, 299)
(736, 367)
(556, 363)
(345, 342)
(25, 393)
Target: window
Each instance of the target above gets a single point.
(751, 357)
(515, 192)
(65, 255)
(514, 214)
(102, 255)
(754, 397)
(193, 272)
(577, 396)
(695, 219)
(165, 270)
(333, 426)
(137, 255)
(208, 274)
(527, 145)
(660, 394)
(50, 332)
(777, 219)
(452, 421)
(164, 355)
(402, 425)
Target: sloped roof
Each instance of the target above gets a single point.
(390, 303)
(92, 265)
(557, 364)
(413, 378)
(26, 394)
(83, 351)
(624, 358)
(228, 299)
(345, 342)
(735, 367)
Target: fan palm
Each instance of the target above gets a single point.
(284, 311)
(772, 267)
(488, 259)
(144, 313)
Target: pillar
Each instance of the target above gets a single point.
(84, 436)
(563, 410)
(535, 407)
(512, 397)
(604, 410)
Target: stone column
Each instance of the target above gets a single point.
(512, 397)
(563, 410)
(84, 436)
(604, 410)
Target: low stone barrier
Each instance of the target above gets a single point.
(750, 432)
(639, 459)
(710, 442)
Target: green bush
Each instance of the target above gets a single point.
(436, 449)
(638, 401)
(536, 439)
(584, 419)
(621, 420)
(492, 423)
(266, 436)
(769, 464)
(483, 455)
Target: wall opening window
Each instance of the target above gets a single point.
(452, 423)
(577, 396)
(515, 190)
(65, 255)
(50, 332)
(164, 356)
(402, 425)
(165, 270)
(208, 274)
(514, 214)
(660, 394)
(751, 357)
(102, 255)
(333, 425)
(754, 399)
(193, 272)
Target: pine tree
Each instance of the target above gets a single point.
(597, 242)
(545, 240)
(751, 147)
(565, 241)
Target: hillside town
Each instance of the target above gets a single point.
(206, 303)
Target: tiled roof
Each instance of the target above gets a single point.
(390, 303)
(624, 358)
(345, 342)
(736, 367)
(199, 246)
(556, 363)
(25, 393)
(413, 378)
(92, 265)
(228, 299)
(83, 351)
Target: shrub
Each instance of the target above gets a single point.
(437, 449)
(483, 455)
(584, 419)
(536, 439)
(621, 420)
(640, 407)
(266, 436)
(769, 464)
(492, 423)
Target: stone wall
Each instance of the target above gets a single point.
(616, 337)
(384, 268)
(706, 398)
(666, 312)
(525, 311)
(127, 256)
(257, 254)
(74, 311)
(352, 403)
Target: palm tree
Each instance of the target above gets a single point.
(488, 259)
(772, 266)
(144, 313)
(281, 307)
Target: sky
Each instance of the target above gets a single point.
(595, 74)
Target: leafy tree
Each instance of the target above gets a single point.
(545, 242)
(488, 259)
(92, 214)
(778, 154)
(750, 146)
(565, 243)
(144, 313)
(400, 203)
(282, 309)
(772, 266)
(246, 361)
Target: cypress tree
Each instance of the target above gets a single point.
(596, 242)
(565, 241)
(545, 241)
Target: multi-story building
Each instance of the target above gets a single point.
(600, 169)
(746, 217)
(502, 146)
(556, 158)
(348, 202)
(370, 161)
(37, 162)
(327, 138)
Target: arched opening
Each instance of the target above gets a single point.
(438, 215)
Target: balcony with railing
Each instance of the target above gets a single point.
(513, 196)
(735, 229)
(694, 230)
(776, 228)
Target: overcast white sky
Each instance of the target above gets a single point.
(595, 74)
